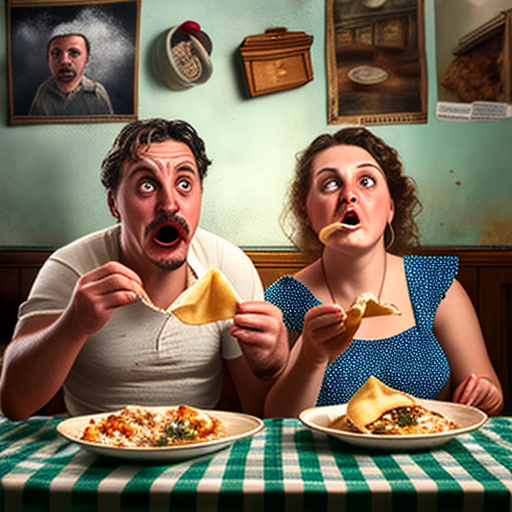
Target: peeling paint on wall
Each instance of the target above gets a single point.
(496, 231)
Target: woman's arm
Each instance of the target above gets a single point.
(321, 342)
(297, 388)
(474, 380)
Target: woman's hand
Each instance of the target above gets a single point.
(478, 392)
(323, 335)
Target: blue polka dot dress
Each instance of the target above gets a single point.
(412, 361)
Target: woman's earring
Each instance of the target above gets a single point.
(391, 240)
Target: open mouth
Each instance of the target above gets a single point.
(350, 219)
(66, 72)
(167, 235)
(66, 77)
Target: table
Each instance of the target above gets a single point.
(286, 467)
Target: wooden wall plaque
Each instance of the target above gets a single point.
(276, 61)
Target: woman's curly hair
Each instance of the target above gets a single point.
(295, 221)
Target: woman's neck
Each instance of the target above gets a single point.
(346, 276)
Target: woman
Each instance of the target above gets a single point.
(433, 349)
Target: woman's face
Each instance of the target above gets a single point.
(348, 187)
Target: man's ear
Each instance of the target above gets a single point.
(111, 200)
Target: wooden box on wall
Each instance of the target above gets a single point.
(276, 61)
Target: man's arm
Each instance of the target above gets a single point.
(263, 338)
(36, 363)
(39, 358)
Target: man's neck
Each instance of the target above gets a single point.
(165, 286)
(68, 89)
(162, 285)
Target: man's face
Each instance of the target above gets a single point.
(158, 202)
(67, 57)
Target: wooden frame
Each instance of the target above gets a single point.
(376, 63)
(112, 30)
(476, 65)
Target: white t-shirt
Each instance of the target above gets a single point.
(142, 356)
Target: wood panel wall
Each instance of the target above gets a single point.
(486, 274)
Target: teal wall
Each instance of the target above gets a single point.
(50, 191)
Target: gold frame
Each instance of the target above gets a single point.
(376, 63)
(23, 63)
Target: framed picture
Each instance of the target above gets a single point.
(376, 64)
(72, 61)
(474, 59)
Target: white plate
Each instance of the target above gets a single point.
(469, 418)
(367, 75)
(237, 426)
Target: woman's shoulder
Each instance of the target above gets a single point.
(441, 263)
(293, 298)
(288, 290)
(431, 257)
(285, 285)
(431, 275)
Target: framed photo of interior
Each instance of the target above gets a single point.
(376, 62)
(72, 61)
(474, 50)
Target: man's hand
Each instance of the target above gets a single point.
(99, 293)
(263, 337)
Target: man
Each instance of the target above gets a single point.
(84, 326)
(68, 92)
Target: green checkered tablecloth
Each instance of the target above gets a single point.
(286, 467)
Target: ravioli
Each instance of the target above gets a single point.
(366, 305)
(372, 400)
(328, 230)
(381, 410)
(210, 299)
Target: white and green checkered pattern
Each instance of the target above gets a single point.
(286, 467)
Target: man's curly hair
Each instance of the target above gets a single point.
(295, 221)
(136, 137)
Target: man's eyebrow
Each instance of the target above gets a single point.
(140, 165)
(188, 165)
(147, 164)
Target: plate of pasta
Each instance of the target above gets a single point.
(159, 433)
(467, 418)
(380, 417)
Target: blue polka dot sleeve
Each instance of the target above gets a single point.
(293, 298)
